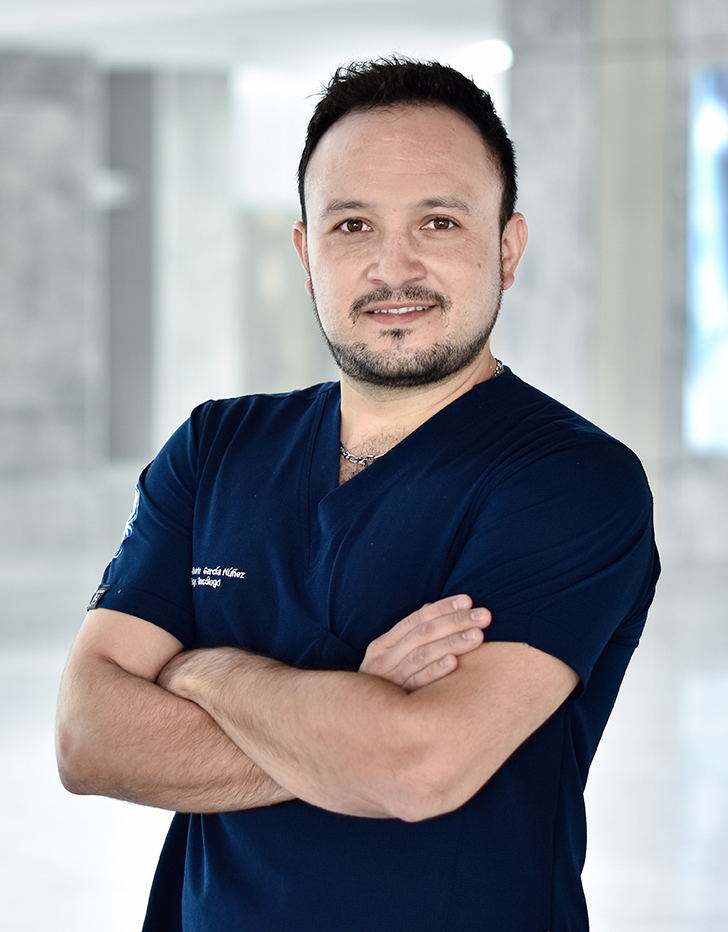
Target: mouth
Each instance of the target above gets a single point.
(398, 311)
(404, 306)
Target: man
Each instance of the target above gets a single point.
(370, 633)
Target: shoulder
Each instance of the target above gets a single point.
(226, 412)
(534, 415)
(250, 422)
(274, 415)
(529, 437)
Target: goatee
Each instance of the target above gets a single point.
(397, 368)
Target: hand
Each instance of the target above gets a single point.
(181, 673)
(172, 672)
(424, 646)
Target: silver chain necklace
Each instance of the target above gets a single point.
(370, 457)
(359, 460)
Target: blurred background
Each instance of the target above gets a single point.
(147, 158)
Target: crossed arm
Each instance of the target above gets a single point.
(428, 719)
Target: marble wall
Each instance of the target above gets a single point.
(119, 259)
(597, 317)
(197, 332)
(129, 161)
(175, 320)
(50, 327)
(545, 329)
(591, 123)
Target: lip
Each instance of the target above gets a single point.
(398, 313)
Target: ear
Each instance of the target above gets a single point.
(513, 242)
(300, 244)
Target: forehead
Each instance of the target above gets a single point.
(401, 147)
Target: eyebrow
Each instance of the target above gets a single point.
(335, 207)
(449, 203)
(428, 203)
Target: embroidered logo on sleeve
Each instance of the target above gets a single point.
(130, 521)
(213, 576)
(97, 597)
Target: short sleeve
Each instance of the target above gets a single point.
(562, 552)
(150, 574)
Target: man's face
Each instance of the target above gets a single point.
(403, 247)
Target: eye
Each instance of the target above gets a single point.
(354, 225)
(440, 223)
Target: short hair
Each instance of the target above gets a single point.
(388, 82)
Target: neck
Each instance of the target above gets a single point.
(369, 411)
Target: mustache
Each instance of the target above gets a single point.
(414, 293)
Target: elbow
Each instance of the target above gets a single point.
(416, 804)
(71, 782)
(427, 789)
(74, 768)
(68, 772)
(413, 806)
(420, 773)
(415, 809)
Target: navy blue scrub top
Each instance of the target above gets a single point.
(242, 537)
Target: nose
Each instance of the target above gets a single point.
(396, 262)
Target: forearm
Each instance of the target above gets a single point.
(347, 742)
(358, 744)
(337, 740)
(122, 736)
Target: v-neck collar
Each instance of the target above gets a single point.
(325, 490)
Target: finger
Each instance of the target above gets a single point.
(416, 644)
(427, 654)
(433, 672)
(438, 630)
(424, 627)
(430, 611)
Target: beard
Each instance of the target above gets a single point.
(398, 368)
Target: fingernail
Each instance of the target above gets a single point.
(471, 634)
(479, 614)
(461, 601)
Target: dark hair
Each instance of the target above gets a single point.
(387, 82)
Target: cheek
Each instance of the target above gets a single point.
(331, 301)
(333, 280)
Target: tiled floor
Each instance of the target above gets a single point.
(657, 796)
